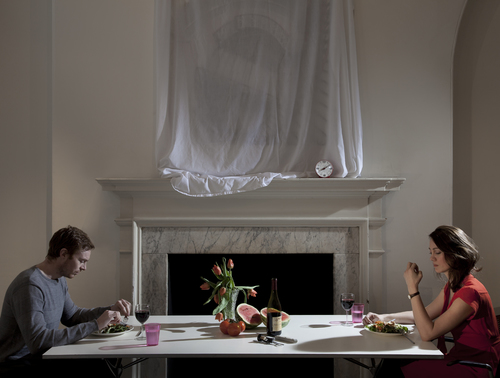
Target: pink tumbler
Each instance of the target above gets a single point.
(152, 333)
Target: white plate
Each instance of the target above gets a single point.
(98, 333)
(410, 330)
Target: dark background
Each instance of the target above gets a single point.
(305, 287)
(305, 281)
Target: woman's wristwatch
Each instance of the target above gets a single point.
(410, 296)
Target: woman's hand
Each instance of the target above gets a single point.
(412, 276)
(370, 318)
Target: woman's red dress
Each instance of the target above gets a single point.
(476, 339)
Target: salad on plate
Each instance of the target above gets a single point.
(387, 327)
(114, 330)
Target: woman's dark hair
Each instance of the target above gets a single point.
(71, 238)
(460, 251)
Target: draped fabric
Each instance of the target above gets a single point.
(253, 90)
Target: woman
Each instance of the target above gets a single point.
(463, 308)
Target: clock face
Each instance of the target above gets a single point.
(324, 168)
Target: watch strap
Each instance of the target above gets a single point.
(410, 296)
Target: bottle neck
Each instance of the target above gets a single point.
(274, 284)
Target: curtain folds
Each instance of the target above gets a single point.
(253, 90)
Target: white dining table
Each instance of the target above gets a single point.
(318, 336)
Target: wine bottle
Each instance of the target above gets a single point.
(274, 311)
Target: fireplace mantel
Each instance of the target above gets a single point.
(330, 187)
(291, 203)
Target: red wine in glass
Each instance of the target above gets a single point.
(347, 301)
(142, 315)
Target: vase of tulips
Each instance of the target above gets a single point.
(224, 291)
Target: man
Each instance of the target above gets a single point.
(38, 300)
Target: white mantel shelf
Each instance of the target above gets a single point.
(330, 187)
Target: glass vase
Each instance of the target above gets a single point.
(230, 311)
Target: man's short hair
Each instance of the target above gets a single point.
(71, 238)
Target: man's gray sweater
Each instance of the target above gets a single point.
(33, 308)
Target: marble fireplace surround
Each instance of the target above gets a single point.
(339, 216)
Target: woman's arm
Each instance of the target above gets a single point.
(406, 317)
(458, 312)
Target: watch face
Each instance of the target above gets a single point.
(324, 168)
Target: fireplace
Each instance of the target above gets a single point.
(309, 261)
(340, 219)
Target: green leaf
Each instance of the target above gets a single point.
(222, 305)
(246, 287)
(214, 291)
(224, 266)
(208, 282)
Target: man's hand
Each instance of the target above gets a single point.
(109, 316)
(122, 306)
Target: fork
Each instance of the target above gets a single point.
(124, 321)
(401, 331)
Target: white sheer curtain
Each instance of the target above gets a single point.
(253, 90)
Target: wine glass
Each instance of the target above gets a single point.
(142, 315)
(347, 301)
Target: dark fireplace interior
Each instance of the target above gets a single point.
(305, 287)
(305, 281)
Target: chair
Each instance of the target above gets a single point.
(475, 364)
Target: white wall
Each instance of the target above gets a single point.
(102, 125)
(25, 186)
(405, 55)
(477, 132)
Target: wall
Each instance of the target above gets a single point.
(405, 55)
(476, 133)
(25, 144)
(102, 125)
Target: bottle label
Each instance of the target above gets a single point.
(276, 323)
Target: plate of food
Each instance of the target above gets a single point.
(387, 328)
(113, 330)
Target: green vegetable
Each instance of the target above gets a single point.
(115, 328)
(390, 327)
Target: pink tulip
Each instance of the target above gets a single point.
(230, 264)
(222, 291)
(219, 317)
(216, 298)
(252, 293)
(205, 286)
(217, 270)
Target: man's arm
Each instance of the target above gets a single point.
(38, 320)
(104, 315)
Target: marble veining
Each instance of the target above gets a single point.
(250, 240)
(159, 242)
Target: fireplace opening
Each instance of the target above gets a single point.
(305, 287)
(305, 281)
